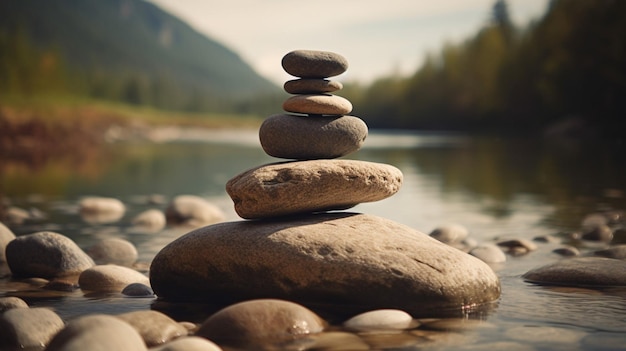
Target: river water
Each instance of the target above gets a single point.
(497, 187)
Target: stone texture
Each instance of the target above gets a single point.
(318, 104)
(6, 235)
(193, 211)
(257, 322)
(311, 86)
(154, 327)
(314, 64)
(308, 138)
(582, 271)
(310, 186)
(9, 302)
(138, 290)
(97, 333)
(46, 255)
(109, 278)
(360, 261)
(114, 251)
(380, 320)
(191, 343)
(22, 328)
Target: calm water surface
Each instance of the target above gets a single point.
(496, 187)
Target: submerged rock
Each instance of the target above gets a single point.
(583, 271)
(356, 260)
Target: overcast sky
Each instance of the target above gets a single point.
(378, 37)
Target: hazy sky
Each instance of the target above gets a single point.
(378, 37)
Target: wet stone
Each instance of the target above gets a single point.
(602, 233)
(314, 64)
(113, 251)
(318, 104)
(488, 253)
(107, 278)
(311, 86)
(307, 138)
(568, 251)
(190, 343)
(46, 255)
(518, 245)
(260, 322)
(617, 252)
(380, 320)
(138, 290)
(154, 327)
(583, 271)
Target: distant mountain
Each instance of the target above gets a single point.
(113, 46)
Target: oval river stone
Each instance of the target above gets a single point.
(318, 104)
(359, 262)
(314, 64)
(288, 188)
(311, 86)
(308, 138)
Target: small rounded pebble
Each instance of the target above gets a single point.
(388, 319)
(583, 271)
(547, 239)
(450, 233)
(519, 246)
(100, 210)
(488, 253)
(312, 86)
(138, 290)
(152, 219)
(107, 278)
(314, 64)
(28, 327)
(568, 251)
(113, 251)
(601, 233)
(193, 211)
(318, 104)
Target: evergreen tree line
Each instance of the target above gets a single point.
(568, 65)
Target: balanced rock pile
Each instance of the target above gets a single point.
(292, 247)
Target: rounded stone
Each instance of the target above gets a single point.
(6, 235)
(318, 104)
(358, 261)
(23, 328)
(516, 244)
(190, 343)
(308, 138)
(138, 290)
(617, 252)
(385, 319)
(566, 251)
(310, 186)
(488, 253)
(311, 86)
(114, 251)
(599, 232)
(314, 63)
(154, 327)
(110, 277)
(97, 210)
(46, 255)
(256, 322)
(9, 302)
(194, 211)
(153, 220)
(450, 233)
(583, 271)
(105, 332)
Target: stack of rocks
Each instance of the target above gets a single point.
(295, 248)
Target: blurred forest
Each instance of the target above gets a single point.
(565, 72)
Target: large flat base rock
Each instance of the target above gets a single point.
(324, 259)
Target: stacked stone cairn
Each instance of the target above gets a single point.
(297, 244)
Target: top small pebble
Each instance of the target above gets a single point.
(314, 64)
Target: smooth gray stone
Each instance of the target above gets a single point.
(583, 271)
(309, 138)
(311, 86)
(46, 255)
(318, 104)
(358, 261)
(289, 188)
(314, 64)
